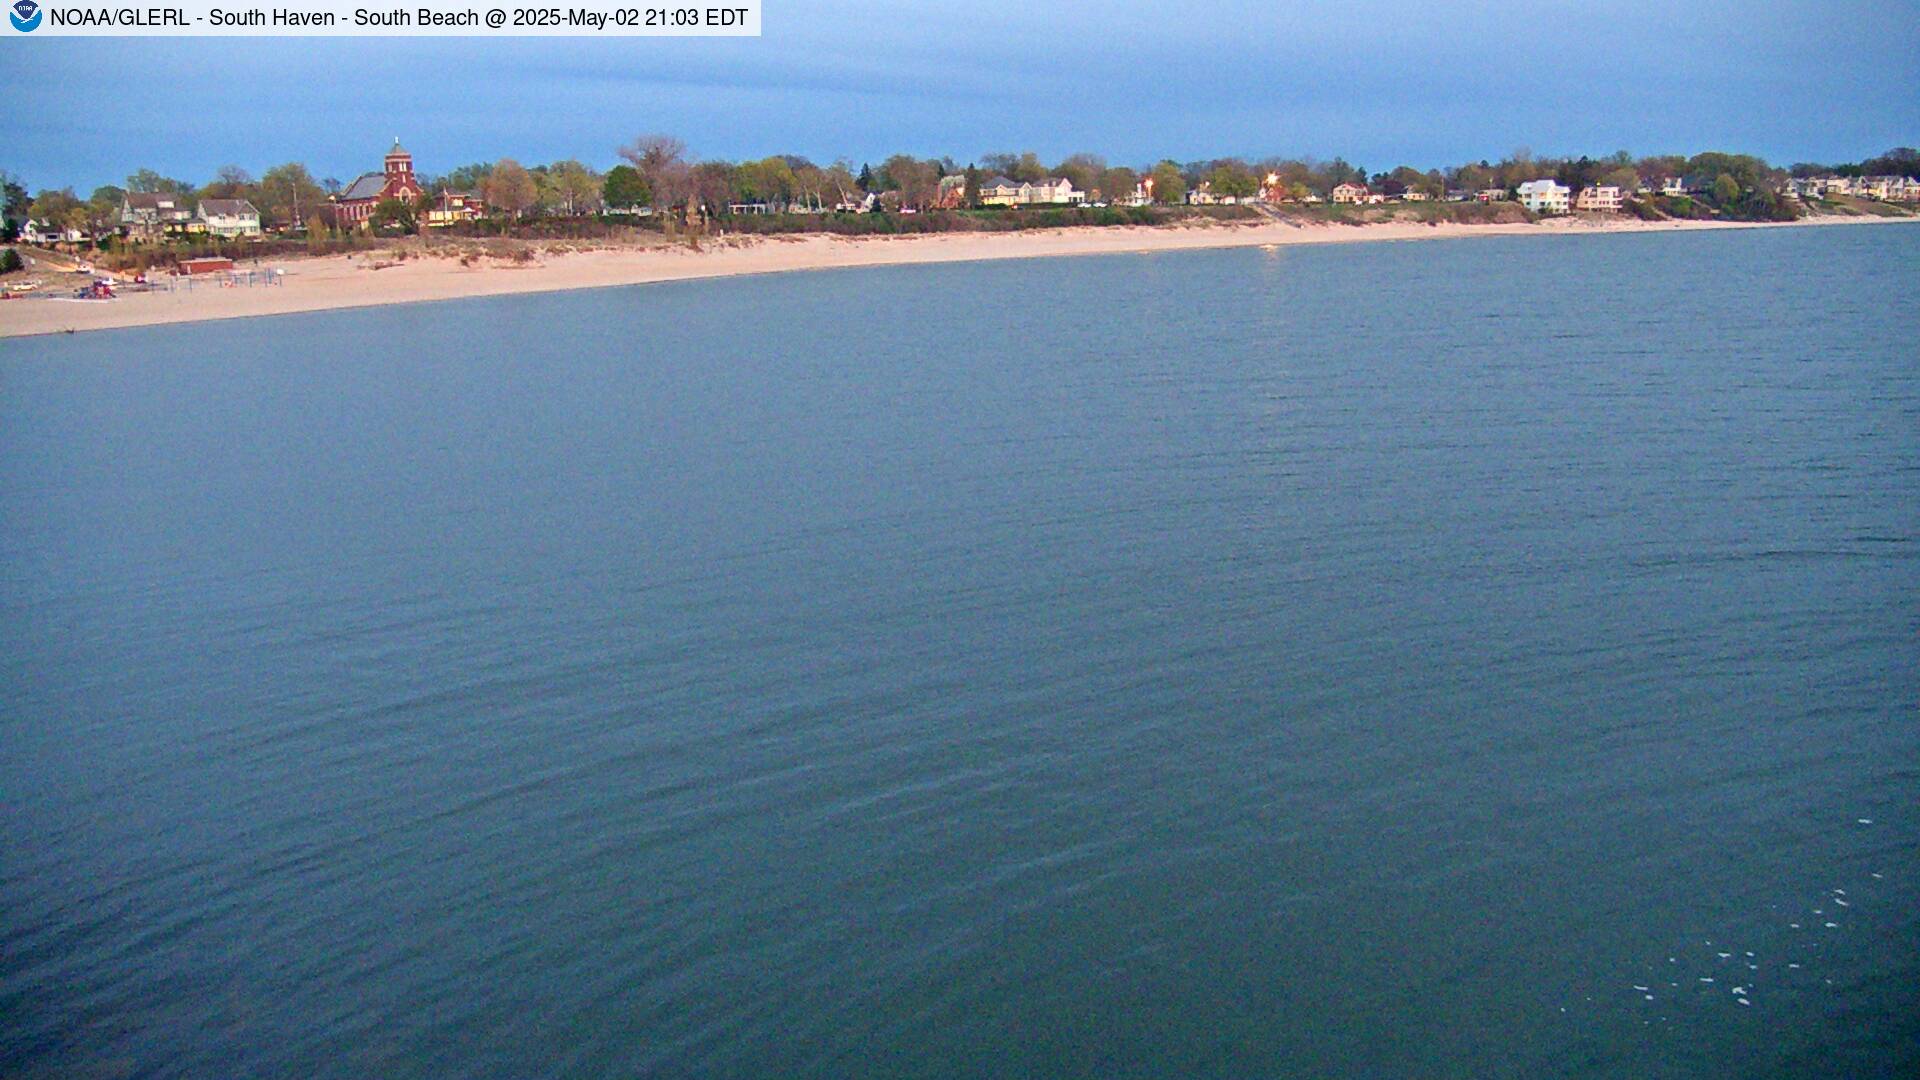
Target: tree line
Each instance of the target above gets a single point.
(657, 172)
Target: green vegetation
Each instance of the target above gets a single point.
(673, 192)
(10, 262)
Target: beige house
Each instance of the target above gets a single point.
(1602, 197)
(1350, 193)
(1545, 196)
(1052, 191)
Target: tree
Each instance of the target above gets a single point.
(146, 180)
(465, 178)
(103, 209)
(624, 189)
(575, 188)
(230, 182)
(1117, 183)
(318, 232)
(13, 199)
(287, 192)
(1725, 188)
(918, 182)
(970, 194)
(662, 162)
(10, 262)
(841, 183)
(769, 180)
(1024, 167)
(710, 185)
(511, 188)
(1232, 180)
(391, 213)
(1623, 177)
(59, 208)
(867, 182)
(1168, 185)
(1899, 161)
(1083, 170)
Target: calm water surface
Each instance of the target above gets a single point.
(1389, 660)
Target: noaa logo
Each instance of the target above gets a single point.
(25, 15)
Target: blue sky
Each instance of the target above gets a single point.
(1380, 83)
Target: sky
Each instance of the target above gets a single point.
(1379, 83)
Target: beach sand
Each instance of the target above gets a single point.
(323, 284)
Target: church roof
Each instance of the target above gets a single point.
(398, 150)
(369, 186)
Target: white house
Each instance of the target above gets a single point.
(228, 217)
(1545, 196)
(1887, 188)
(1602, 197)
(45, 232)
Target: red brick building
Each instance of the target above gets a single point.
(354, 205)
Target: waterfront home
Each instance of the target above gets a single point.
(952, 191)
(1673, 186)
(1052, 191)
(1492, 194)
(454, 207)
(1545, 196)
(1411, 195)
(148, 214)
(353, 207)
(1203, 195)
(1601, 197)
(1887, 188)
(46, 232)
(1811, 187)
(1141, 195)
(999, 191)
(227, 217)
(1349, 193)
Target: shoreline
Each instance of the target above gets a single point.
(343, 282)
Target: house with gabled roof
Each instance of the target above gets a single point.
(153, 213)
(227, 217)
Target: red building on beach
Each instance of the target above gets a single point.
(354, 205)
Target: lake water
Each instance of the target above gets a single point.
(1378, 660)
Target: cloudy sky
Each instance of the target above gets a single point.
(1380, 83)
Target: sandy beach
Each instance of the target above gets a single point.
(371, 279)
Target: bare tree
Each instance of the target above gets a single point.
(662, 160)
